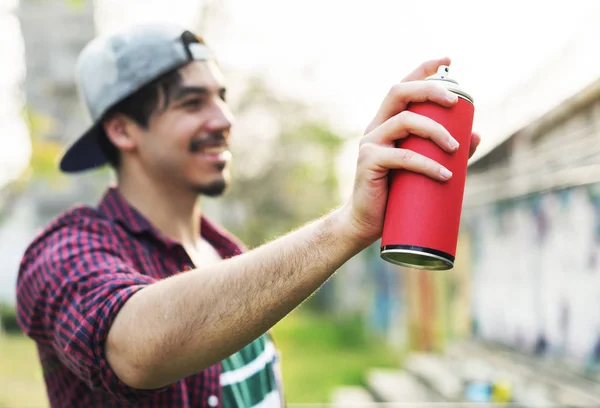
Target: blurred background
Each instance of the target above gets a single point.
(518, 318)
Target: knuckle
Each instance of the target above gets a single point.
(367, 149)
(396, 89)
(406, 156)
(404, 118)
(411, 122)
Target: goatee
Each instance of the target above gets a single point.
(213, 189)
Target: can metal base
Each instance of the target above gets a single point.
(417, 257)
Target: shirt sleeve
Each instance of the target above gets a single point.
(71, 287)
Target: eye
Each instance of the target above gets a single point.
(223, 96)
(193, 103)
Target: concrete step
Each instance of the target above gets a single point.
(447, 380)
(352, 397)
(434, 371)
(398, 386)
(534, 382)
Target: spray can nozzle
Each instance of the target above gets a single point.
(443, 71)
(443, 76)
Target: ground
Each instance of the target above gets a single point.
(21, 383)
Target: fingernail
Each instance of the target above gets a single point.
(453, 143)
(445, 173)
(451, 96)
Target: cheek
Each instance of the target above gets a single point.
(166, 148)
(159, 150)
(171, 140)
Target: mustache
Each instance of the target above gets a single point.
(210, 140)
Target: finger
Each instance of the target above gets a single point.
(475, 141)
(385, 158)
(402, 94)
(426, 69)
(409, 123)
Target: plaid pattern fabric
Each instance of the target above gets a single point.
(74, 278)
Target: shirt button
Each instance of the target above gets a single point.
(213, 401)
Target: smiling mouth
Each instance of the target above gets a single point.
(213, 149)
(210, 151)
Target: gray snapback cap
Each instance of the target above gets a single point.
(111, 68)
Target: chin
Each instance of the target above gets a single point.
(211, 185)
(213, 189)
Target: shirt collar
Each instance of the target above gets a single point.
(115, 207)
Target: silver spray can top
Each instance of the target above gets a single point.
(452, 85)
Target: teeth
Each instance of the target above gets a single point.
(214, 150)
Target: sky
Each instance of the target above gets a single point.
(343, 56)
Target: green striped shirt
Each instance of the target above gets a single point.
(250, 377)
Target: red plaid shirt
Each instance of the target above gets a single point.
(74, 278)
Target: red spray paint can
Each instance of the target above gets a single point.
(422, 216)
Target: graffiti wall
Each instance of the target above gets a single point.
(535, 267)
(438, 303)
(412, 309)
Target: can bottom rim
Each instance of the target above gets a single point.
(416, 257)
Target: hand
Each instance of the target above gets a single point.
(378, 154)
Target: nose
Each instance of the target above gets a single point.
(221, 118)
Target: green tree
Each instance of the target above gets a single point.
(296, 179)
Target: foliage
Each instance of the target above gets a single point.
(319, 354)
(44, 151)
(8, 319)
(72, 3)
(75, 3)
(296, 180)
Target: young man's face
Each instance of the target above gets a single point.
(187, 144)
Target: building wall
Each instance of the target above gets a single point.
(532, 215)
(536, 273)
(438, 302)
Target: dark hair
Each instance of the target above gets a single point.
(140, 105)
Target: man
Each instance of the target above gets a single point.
(144, 301)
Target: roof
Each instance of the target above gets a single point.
(570, 72)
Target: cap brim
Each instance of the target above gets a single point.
(85, 153)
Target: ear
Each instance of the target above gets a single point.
(122, 132)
